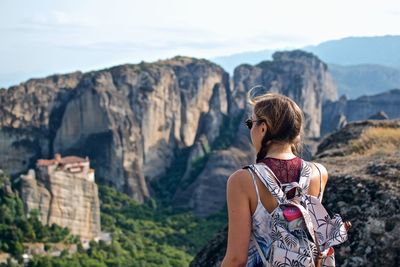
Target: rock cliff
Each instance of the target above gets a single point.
(128, 119)
(297, 74)
(64, 192)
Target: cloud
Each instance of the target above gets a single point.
(394, 12)
(54, 21)
(144, 45)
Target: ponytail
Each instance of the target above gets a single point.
(264, 146)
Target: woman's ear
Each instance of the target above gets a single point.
(264, 127)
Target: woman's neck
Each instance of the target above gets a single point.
(280, 152)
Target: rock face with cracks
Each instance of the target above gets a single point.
(128, 119)
(64, 192)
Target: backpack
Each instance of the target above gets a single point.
(302, 231)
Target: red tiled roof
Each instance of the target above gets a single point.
(65, 160)
(45, 162)
(72, 159)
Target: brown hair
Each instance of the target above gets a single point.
(283, 117)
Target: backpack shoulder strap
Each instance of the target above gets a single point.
(270, 181)
(255, 183)
(305, 175)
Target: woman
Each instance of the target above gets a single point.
(276, 128)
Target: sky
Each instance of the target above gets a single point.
(42, 37)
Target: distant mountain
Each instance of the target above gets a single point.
(367, 79)
(368, 65)
(381, 50)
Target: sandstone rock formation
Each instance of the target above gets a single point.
(297, 74)
(127, 119)
(359, 109)
(64, 192)
(362, 188)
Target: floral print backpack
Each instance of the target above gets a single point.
(302, 231)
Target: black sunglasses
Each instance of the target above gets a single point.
(249, 123)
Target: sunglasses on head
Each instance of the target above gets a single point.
(249, 123)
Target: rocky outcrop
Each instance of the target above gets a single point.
(127, 119)
(297, 74)
(381, 115)
(362, 108)
(337, 144)
(363, 189)
(64, 192)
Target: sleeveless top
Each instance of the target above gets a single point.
(286, 171)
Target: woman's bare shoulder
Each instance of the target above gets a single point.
(240, 178)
